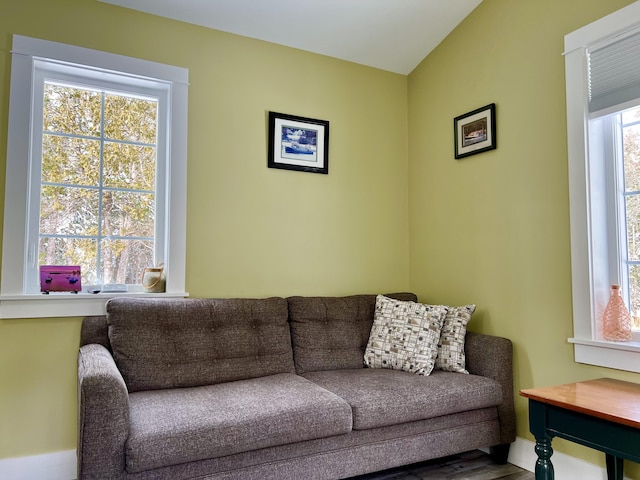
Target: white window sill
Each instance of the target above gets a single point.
(66, 304)
(618, 355)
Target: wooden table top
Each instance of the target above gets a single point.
(605, 398)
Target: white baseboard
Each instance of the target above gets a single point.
(62, 465)
(566, 467)
(49, 466)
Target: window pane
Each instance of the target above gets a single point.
(127, 214)
(72, 161)
(130, 119)
(632, 158)
(71, 110)
(70, 251)
(129, 166)
(634, 297)
(123, 261)
(630, 116)
(122, 205)
(68, 211)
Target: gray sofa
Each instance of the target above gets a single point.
(272, 389)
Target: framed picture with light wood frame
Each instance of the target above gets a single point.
(298, 143)
(475, 132)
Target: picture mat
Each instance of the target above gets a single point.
(281, 123)
(475, 146)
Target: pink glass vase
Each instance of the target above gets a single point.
(616, 321)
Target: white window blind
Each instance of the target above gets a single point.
(614, 72)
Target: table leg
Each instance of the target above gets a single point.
(615, 467)
(538, 426)
(544, 467)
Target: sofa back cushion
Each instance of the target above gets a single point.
(331, 333)
(167, 343)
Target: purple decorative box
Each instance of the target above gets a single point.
(60, 278)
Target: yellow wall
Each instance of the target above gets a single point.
(493, 228)
(252, 231)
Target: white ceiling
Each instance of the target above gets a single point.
(393, 35)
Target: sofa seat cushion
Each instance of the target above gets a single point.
(170, 427)
(381, 397)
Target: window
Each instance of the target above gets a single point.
(615, 143)
(603, 131)
(97, 188)
(627, 143)
(96, 174)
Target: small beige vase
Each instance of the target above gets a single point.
(153, 279)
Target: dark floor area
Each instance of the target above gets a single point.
(474, 465)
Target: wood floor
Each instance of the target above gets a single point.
(474, 465)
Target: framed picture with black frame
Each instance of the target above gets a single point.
(298, 143)
(475, 132)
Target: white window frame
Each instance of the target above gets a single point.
(79, 77)
(592, 235)
(27, 54)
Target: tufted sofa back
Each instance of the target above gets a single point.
(331, 333)
(162, 343)
(168, 343)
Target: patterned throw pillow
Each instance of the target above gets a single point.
(404, 336)
(451, 346)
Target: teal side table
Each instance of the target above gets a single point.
(603, 414)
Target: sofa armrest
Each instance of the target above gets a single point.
(103, 415)
(492, 357)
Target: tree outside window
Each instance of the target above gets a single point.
(97, 197)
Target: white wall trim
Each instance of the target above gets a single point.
(596, 262)
(52, 466)
(566, 467)
(62, 465)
